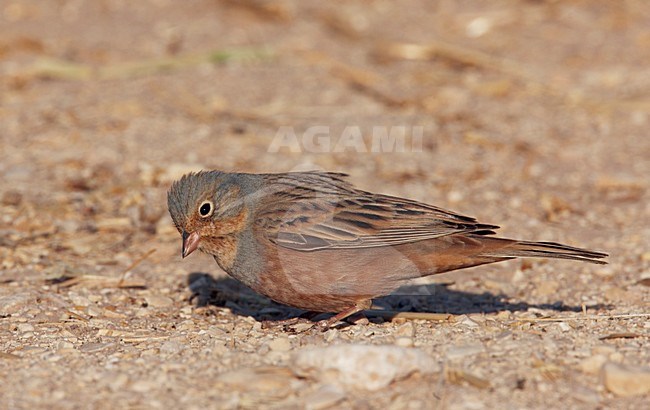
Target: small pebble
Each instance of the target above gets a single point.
(79, 300)
(407, 330)
(63, 345)
(331, 334)
(281, 344)
(172, 347)
(459, 352)
(25, 327)
(94, 311)
(464, 320)
(325, 397)
(158, 301)
(504, 315)
(95, 347)
(593, 364)
(262, 380)
(624, 380)
(302, 327)
(404, 341)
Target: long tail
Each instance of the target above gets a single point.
(522, 249)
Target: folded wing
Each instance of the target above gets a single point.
(317, 210)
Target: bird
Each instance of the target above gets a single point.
(313, 241)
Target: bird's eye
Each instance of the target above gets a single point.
(205, 209)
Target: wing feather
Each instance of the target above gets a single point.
(309, 211)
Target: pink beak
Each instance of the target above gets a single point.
(190, 243)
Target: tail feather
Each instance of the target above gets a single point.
(523, 249)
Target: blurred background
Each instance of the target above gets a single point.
(529, 114)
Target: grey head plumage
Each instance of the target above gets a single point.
(185, 193)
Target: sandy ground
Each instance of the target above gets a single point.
(534, 115)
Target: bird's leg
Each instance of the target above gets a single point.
(358, 307)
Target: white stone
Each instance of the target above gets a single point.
(361, 366)
(624, 380)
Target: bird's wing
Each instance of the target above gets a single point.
(309, 211)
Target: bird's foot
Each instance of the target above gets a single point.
(354, 315)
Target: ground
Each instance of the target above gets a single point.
(532, 115)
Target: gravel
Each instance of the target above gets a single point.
(534, 115)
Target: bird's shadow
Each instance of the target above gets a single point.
(432, 298)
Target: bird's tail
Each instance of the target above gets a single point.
(524, 249)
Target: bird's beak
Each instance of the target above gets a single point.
(190, 242)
